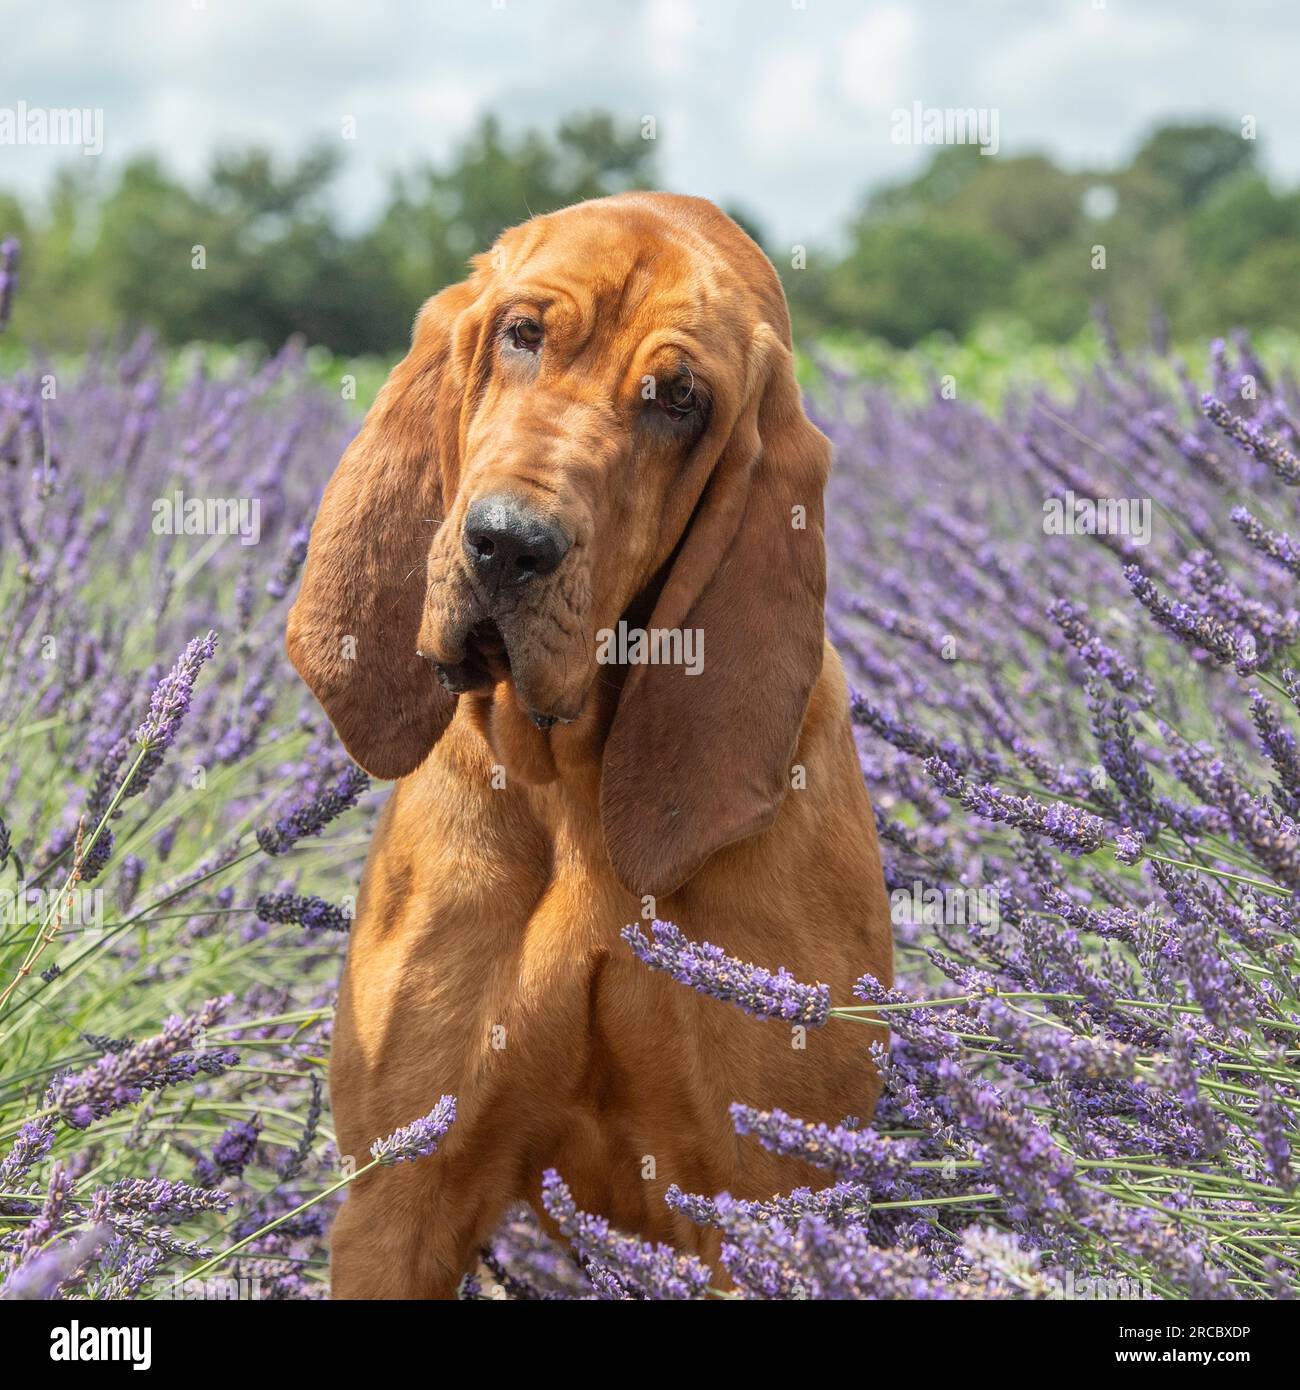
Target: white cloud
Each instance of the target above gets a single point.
(783, 110)
(881, 64)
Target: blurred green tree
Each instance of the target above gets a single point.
(255, 252)
(1188, 225)
(1191, 159)
(439, 216)
(1237, 216)
(254, 255)
(902, 280)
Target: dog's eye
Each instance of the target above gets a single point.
(526, 334)
(678, 396)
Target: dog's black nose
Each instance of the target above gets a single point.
(506, 543)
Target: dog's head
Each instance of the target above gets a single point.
(601, 420)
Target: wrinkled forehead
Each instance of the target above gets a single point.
(600, 270)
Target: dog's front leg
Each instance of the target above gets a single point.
(411, 1231)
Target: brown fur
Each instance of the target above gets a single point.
(490, 913)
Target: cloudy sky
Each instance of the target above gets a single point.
(781, 106)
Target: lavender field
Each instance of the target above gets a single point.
(1082, 752)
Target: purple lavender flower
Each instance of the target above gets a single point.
(420, 1138)
(313, 913)
(48, 1222)
(168, 706)
(311, 815)
(44, 1273)
(294, 1163)
(1279, 743)
(242, 732)
(96, 856)
(1215, 980)
(1270, 840)
(33, 1141)
(278, 585)
(1077, 831)
(1279, 547)
(1052, 1052)
(129, 874)
(245, 595)
(839, 1204)
(1024, 1160)
(531, 1265)
(709, 970)
(161, 1199)
(817, 1260)
(1275, 1138)
(913, 740)
(1129, 847)
(860, 1155)
(1104, 660)
(1270, 451)
(178, 1053)
(9, 256)
(653, 1271)
(231, 1154)
(1195, 627)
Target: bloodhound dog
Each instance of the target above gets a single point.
(595, 449)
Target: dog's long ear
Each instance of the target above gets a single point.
(695, 762)
(352, 630)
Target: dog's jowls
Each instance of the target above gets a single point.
(601, 424)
